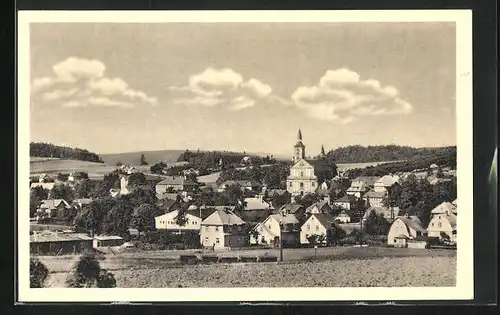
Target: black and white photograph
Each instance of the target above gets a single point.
(272, 152)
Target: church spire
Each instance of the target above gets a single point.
(322, 150)
(299, 135)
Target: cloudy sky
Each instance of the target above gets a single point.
(134, 87)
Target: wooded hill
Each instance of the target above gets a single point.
(41, 149)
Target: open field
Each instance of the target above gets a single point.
(339, 266)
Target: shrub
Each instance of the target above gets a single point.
(87, 273)
(38, 273)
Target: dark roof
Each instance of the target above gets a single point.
(413, 222)
(374, 194)
(205, 212)
(255, 216)
(176, 180)
(346, 198)
(325, 219)
(291, 207)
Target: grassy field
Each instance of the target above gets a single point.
(338, 266)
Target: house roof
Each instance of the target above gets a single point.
(285, 219)
(54, 203)
(83, 201)
(357, 187)
(343, 214)
(41, 237)
(291, 208)
(253, 216)
(174, 214)
(386, 212)
(256, 203)
(325, 219)
(412, 222)
(223, 217)
(367, 180)
(444, 207)
(47, 186)
(176, 180)
(346, 198)
(374, 194)
(319, 205)
(387, 180)
(107, 237)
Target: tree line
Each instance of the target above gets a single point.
(273, 176)
(381, 153)
(41, 149)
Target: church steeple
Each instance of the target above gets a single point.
(322, 151)
(299, 148)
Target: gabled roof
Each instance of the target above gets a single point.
(223, 217)
(346, 198)
(444, 207)
(325, 219)
(256, 203)
(412, 222)
(387, 180)
(367, 180)
(285, 219)
(343, 214)
(291, 207)
(174, 214)
(319, 205)
(357, 187)
(54, 203)
(374, 194)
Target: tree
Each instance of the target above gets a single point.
(87, 273)
(233, 194)
(37, 194)
(181, 217)
(117, 220)
(334, 234)
(143, 160)
(278, 200)
(62, 177)
(376, 224)
(312, 239)
(308, 199)
(38, 273)
(143, 218)
(61, 191)
(137, 179)
(119, 163)
(85, 188)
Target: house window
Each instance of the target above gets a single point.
(454, 232)
(432, 224)
(239, 228)
(217, 240)
(314, 184)
(301, 174)
(301, 185)
(394, 240)
(308, 227)
(291, 184)
(216, 228)
(439, 224)
(317, 227)
(229, 229)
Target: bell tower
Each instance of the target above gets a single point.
(299, 149)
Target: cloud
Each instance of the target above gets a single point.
(342, 96)
(80, 82)
(221, 87)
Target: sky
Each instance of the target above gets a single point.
(113, 87)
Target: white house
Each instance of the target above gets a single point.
(385, 183)
(357, 189)
(443, 221)
(256, 203)
(269, 231)
(167, 222)
(345, 202)
(316, 224)
(343, 217)
(375, 198)
(403, 229)
(223, 230)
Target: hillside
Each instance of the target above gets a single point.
(380, 153)
(49, 150)
(153, 157)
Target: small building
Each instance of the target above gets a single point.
(283, 225)
(55, 243)
(443, 223)
(175, 183)
(317, 224)
(58, 209)
(345, 202)
(343, 217)
(47, 186)
(357, 189)
(319, 207)
(375, 198)
(223, 230)
(403, 229)
(167, 222)
(107, 241)
(385, 183)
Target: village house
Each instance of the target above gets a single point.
(167, 222)
(56, 209)
(47, 186)
(375, 198)
(306, 175)
(319, 207)
(256, 203)
(345, 202)
(317, 224)
(107, 241)
(55, 243)
(443, 223)
(343, 217)
(223, 230)
(385, 183)
(406, 231)
(175, 183)
(276, 226)
(357, 189)
(291, 208)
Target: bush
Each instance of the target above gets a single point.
(87, 273)
(38, 273)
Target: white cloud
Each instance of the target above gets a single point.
(342, 96)
(221, 87)
(81, 82)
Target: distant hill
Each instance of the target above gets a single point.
(49, 150)
(380, 153)
(153, 157)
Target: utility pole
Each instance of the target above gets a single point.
(281, 240)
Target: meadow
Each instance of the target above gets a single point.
(332, 267)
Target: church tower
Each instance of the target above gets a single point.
(299, 149)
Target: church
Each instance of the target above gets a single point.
(307, 175)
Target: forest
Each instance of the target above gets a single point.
(41, 149)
